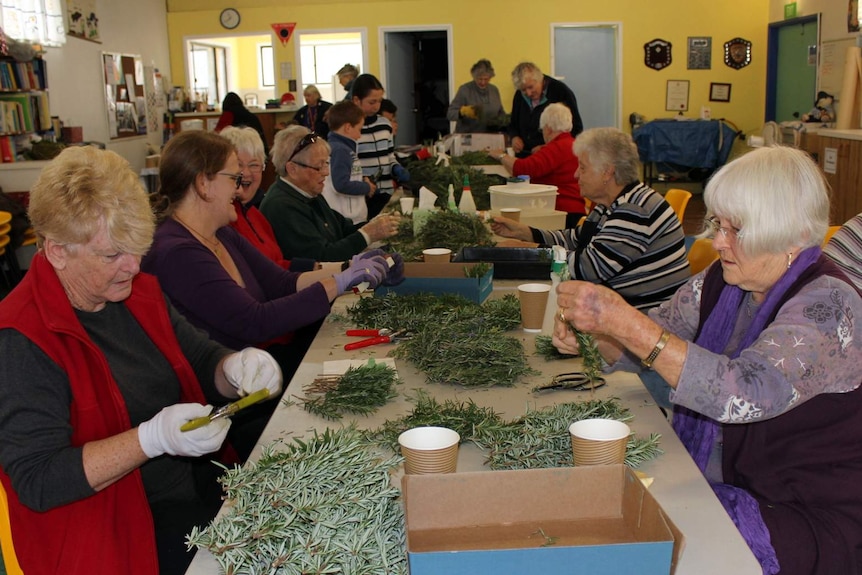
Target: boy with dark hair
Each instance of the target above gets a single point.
(345, 189)
(389, 110)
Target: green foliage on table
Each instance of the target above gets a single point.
(546, 349)
(442, 229)
(437, 177)
(360, 390)
(538, 439)
(325, 504)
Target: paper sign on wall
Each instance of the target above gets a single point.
(830, 160)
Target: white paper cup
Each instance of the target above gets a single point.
(429, 450)
(511, 213)
(437, 255)
(406, 206)
(599, 441)
(534, 299)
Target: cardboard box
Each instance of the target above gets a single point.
(73, 134)
(524, 196)
(599, 520)
(420, 277)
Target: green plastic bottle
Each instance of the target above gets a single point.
(451, 202)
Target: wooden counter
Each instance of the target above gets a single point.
(712, 543)
(840, 157)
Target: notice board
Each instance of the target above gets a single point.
(125, 95)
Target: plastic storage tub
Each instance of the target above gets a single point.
(524, 196)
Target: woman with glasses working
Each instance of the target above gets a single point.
(304, 224)
(217, 278)
(764, 352)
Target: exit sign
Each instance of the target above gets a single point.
(790, 10)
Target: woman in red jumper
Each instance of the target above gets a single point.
(99, 372)
(553, 164)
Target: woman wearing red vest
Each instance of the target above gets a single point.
(98, 374)
(763, 351)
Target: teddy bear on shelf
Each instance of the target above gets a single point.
(823, 110)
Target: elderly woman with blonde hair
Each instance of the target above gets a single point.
(477, 103)
(553, 163)
(98, 374)
(313, 114)
(763, 350)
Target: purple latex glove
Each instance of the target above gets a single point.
(369, 254)
(372, 270)
(396, 272)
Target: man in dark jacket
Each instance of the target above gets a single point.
(535, 91)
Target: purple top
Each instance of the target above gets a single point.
(201, 289)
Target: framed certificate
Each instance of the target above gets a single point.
(677, 96)
(719, 92)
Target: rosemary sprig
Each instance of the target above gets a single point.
(361, 390)
(322, 505)
(592, 358)
(546, 349)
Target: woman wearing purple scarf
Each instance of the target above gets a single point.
(765, 357)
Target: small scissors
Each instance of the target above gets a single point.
(577, 381)
(375, 336)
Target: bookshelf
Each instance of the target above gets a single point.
(24, 108)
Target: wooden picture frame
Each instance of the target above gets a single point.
(719, 92)
(676, 98)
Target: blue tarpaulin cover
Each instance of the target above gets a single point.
(689, 143)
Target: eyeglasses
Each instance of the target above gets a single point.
(306, 141)
(713, 226)
(237, 178)
(319, 168)
(252, 168)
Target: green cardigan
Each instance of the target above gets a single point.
(308, 227)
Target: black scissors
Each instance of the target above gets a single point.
(577, 381)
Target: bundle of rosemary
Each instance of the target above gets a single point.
(320, 505)
(539, 439)
(546, 349)
(438, 177)
(360, 390)
(442, 229)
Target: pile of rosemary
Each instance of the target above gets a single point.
(442, 229)
(453, 339)
(360, 390)
(437, 177)
(538, 439)
(320, 505)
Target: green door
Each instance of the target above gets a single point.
(796, 79)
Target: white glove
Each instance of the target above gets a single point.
(162, 434)
(251, 370)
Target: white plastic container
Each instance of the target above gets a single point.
(525, 196)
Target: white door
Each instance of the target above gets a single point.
(586, 58)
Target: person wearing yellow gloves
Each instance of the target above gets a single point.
(477, 103)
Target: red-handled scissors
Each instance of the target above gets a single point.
(375, 336)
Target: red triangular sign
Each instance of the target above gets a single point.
(284, 31)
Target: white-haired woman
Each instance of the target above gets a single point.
(313, 114)
(534, 91)
(632, 240)
(554, 163)
(764, 352)
(477, 103)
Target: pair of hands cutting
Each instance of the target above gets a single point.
(248, 371)
(371, 267)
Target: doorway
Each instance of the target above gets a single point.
(791, 68)
(586, 57)
(416, 64)
(321, 53)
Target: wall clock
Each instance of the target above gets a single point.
(229, 18)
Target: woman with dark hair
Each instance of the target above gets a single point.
(234, 113)
(476, 103)
(376, 144)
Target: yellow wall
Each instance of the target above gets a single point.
(510, 31)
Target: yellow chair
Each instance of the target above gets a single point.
(829, 233)
(701, 254)
(678, 200)
(9, 558)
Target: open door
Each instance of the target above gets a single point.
(791, 68)
(417, 76)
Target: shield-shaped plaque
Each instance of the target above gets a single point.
(657, 54)
(737, 53)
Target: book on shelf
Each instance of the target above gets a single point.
(7, 149)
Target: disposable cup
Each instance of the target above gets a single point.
(429, 450)
(599, 441)
(437, 255)
(511, 213)
(406, 206)
(534, 299)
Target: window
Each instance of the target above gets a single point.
(266, 67)
(208, 72)
(35, 21)
(321, 56)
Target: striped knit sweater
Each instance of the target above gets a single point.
(377, 152)
(845, 249)
(637, 249)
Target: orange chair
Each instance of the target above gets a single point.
(701, 254)
(829, 233)
(678, 200)
(9, 558)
